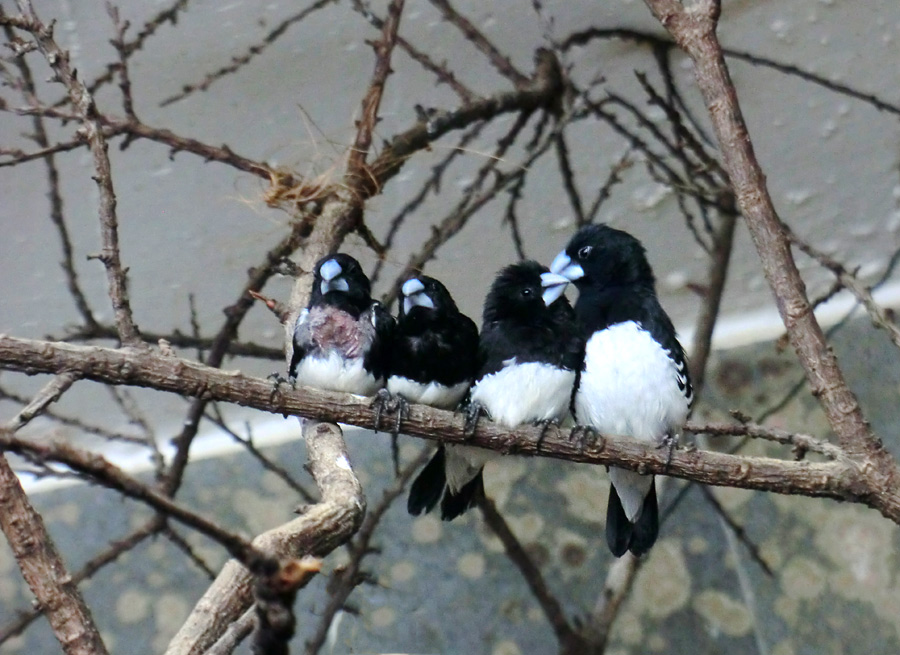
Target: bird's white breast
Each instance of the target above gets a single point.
(334, 373)
(629, 385)
(524, 393)
(434, 394)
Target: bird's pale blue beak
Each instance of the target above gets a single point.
(554, 286)
(414, 296)
(331, 280)
(412, 286)
(562, 265)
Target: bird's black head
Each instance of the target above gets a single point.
(340, 280)
(516, 294)
(602, 256)
(425, 296)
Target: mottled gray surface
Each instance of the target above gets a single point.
(448, 588)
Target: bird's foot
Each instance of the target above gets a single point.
(670, 442)
(544, 424)
(387, 403)
(277, 380)
(583, 434)
(474, 411)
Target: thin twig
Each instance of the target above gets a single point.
(737, 530)
(879, 316)
(219, 420)
(92, 130)
(443, 74)
(585, 36)
(498, 60)
(548, 602)
(253, 51)
(54, 194)
(48, 395)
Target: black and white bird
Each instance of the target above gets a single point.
(435, 346)
(342, 339)
(634, 381)
(434, 359)
(529, 352)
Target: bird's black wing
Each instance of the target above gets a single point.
(443, 350)
(377, 358)
(657, 322)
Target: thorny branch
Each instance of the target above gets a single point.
(695, 32)
(92, 131)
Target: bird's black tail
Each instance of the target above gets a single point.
(622, 534)
(427, 488)
(457, 503)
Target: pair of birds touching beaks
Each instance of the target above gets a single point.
(613, 361)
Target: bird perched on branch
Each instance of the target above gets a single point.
(435, 346)
(634, 380)
(342, 339)
(433, 361)
(529, 352)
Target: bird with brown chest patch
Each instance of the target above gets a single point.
(342, 339)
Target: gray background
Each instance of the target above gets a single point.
(832, 166)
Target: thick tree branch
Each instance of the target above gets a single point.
(102, 472)
(115, 550)
(44, 570)
(694, 31)
(322, 528)
(350, 576)
(843, 478)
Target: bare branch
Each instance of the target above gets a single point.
(322, 528)
(115, 550)
(47, 396)
(357, 175)
(880, 317)
(350, 576)
(44, 569)
(841, 478)
(498, 60)
(695, 32)
(551, 607)
(588, 35)
(252, 52)
(92, 131)
(102, 472)
(444, 75)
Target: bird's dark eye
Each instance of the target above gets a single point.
(526, 292)
(585, 252)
